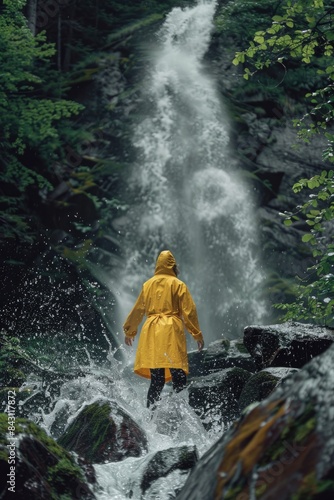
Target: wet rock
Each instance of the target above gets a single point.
(215, 397)
(289, 344)
(260, 385)
(164, 471)
(166, 461)
(282, 248)
(43, 469)
(280, 155)
(104, 432)
(196, 367)
(220, 355)
(265, 141)
(283, 448)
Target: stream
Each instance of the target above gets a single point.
(174, 423)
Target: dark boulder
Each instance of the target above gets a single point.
(288, 344)
(283, 448)
(219, 355)
(35, 466)
(166, 461)
(260, 385)
(104, 432)
(162, 474)
(215, 397)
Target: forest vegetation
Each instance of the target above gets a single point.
(301, 33)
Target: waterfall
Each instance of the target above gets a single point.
(186, 192)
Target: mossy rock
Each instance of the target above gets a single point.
(43, 469)
(323, 488)
(104, 432)
(257, 388)
(240, 346)
(290, 445)
(281, 448)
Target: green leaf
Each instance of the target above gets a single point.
(307, 237)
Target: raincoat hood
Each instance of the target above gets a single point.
(165, 263)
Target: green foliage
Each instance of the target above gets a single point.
(302, 28)
(37, 139)
(240, 19)
(100, 25)
(128, 30)
(301, 32)
(28, 120)
(36, 118)
(315, 296)
(25, 118)
(319, 118)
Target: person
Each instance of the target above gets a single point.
(162, 349)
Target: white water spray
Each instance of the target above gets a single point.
(174, 424)
(187, 195)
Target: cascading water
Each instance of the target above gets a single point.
(186, 197)
(185, 191)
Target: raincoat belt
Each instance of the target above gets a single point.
(157, 316)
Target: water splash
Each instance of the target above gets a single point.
(187, 194)
(174, 422)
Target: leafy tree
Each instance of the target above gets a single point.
(302, 31)
(36, 141)
(315, 296)
(28, 120)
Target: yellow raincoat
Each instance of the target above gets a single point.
(168, 305)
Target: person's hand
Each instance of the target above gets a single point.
(128, 341)
(200, 345)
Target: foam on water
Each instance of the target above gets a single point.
(174, 423)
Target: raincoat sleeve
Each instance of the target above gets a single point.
(133, 320)
(189, 314)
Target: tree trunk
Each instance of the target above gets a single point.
(67, 55)
(32, 15)
(59, 40)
